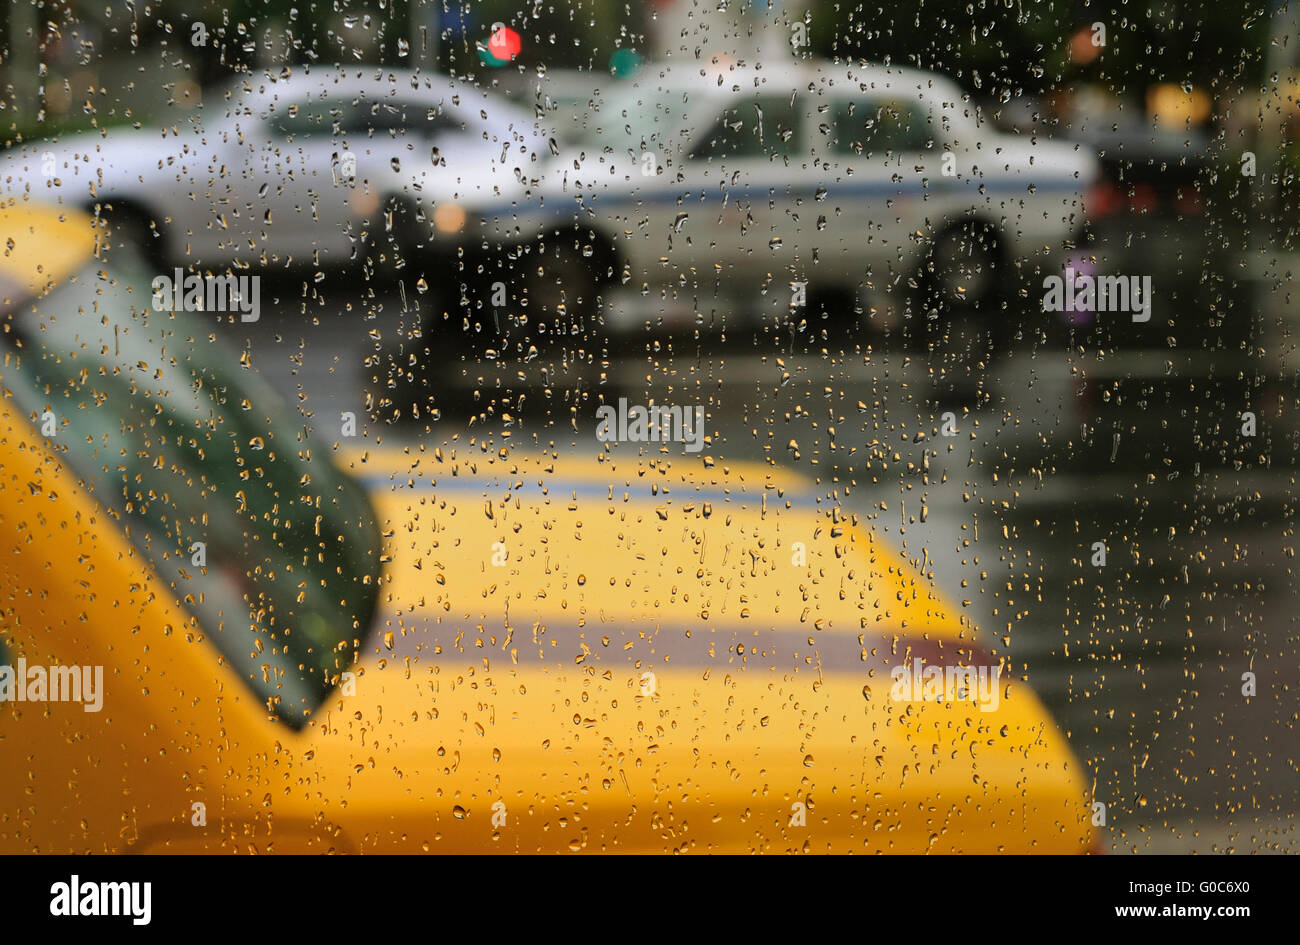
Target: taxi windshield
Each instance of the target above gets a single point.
(272, 551)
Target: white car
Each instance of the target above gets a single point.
(705, 194)
(291, 169)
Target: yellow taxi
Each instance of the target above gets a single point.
(306, 647)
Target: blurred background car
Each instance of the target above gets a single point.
(314, 168)
(729, 199)
(1152, 160)
(564, 100)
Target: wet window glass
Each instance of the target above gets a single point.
(656, 427)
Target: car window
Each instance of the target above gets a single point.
(312, 118)
(868, 127)
(333, 118)
(767, 127)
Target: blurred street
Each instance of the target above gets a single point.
(1014, 292)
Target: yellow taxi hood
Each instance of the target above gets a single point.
(686, 542)
(672, 655)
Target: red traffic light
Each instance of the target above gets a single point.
(505, 43)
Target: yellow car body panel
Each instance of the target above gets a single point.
(43, 244)
(615, 656)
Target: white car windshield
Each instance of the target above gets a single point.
(639, 117)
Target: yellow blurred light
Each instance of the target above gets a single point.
(449, 218)
(58, 97)
(719, 64)
(1170, 105)
(188, 92)
(1288, 91)
(364, 203)
(1082, 48)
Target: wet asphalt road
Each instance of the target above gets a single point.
(1141, 659)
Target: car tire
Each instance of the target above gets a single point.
(955, 323)
(127, 231)
(963, 268)
(401, 240)
(407, 372)
(558, 320)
